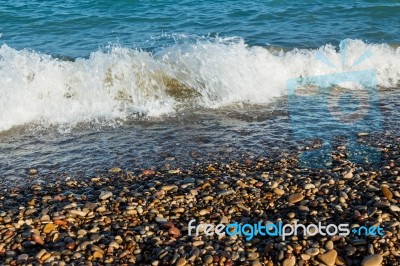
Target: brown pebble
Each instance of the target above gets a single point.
(38, 239)
(97, 254)
(71, 246)
(328, 258)
(259, 184)
(168, 225)
(290, 261)
(387, 193)
(279, 191)
(181, 262)
(372, 260)
(60, 222)
(294, 198)
(174, 232)
(148, 172)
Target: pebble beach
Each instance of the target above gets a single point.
(126, 218)
(216, 133)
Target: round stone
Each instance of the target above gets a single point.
(279, 191)
(208, 259)
(372, 260)
(328, 258)
(312, 251)
(294, 198)
(181, 262)
(174, 232)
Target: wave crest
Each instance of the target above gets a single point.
(123, 82)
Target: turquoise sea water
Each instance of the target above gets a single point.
(76, 28)
(87, 85)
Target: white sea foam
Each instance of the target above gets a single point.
(37, 88)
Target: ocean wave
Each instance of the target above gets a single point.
(210, 73)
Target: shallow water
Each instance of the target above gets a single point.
(191, 138)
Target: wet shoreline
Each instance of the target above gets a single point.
(141, 218)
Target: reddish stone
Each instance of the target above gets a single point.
(71, 246)
(168, 225)
(59, 198)
(9, 233)
(148, 172)
(259, 184)
(174, 232)
(38, 239)
(60, 222)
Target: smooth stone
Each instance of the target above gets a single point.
(7, 219)
(148, 172)
(256, 263)
(394, 208)
(139, 209)
(198, 243)
(32, 171)
(10, 253)
(329, 245)
(97, 254)
(124, 254)
(178, 210)
(328, 258)
(23, 257)
(241, 206)
(222, 186)
(294, 198)
(181, 262)
(174, 232)
(161, 220)
(105, 195)
(204, 212)
(38, 239)
(252, 256)
(40, 253)
(226, 192)
(224, 220)
(358, 242)
(304, 208)
(348, 175)
(382, 204)
(290, 261)
(60, 222)
(48, 228)
(208, 259)
(169, 187)
(387, 193)
(305, 256)
(372, 260)
(78, 213)
(274, 185)
(71, 245)
(309, 186)
(115, 170)
(340, 261)
(312, 251)
(279, 191)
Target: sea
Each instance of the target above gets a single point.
(89, 85)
